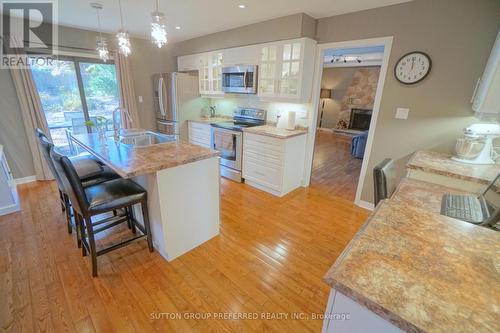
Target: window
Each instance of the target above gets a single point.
(74, 91)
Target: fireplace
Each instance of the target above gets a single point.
(360, 119)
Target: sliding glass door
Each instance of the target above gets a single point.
(76, 93)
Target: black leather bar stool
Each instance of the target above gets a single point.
(98, 199)
(90, 172)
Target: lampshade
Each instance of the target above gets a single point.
(325, 93)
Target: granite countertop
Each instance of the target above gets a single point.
(280, 133)
(130, 161)
(442, 164)
(211, 120)
(422, 194)
(422, 271)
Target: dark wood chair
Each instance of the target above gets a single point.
(90, 172)
(88, 202)
(384, 179)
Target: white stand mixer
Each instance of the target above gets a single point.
(477, 146)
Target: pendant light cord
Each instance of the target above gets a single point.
(99, 23)
(121, 13)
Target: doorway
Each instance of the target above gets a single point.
(347, 91)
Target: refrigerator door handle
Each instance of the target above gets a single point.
(175, 96)
(160, 96)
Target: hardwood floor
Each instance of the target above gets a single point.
(269, 260)
(334, 170)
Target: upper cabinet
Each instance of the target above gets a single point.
(187, 63)
(486, 98)
(286, 70)
(245, 55)
(210, 73)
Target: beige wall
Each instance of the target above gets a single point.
(458, 36)
(287, 27)
(144, 61)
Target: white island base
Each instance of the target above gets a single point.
(183, 204)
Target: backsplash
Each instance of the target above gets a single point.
(226, 105)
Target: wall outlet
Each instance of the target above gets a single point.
(140, 99)
(402, 113)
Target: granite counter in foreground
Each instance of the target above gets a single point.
(272, 131)
(422, 272)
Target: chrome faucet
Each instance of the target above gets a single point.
(212, 111)
(116, 124)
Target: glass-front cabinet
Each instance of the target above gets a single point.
(267, 70)
(210, 73)
(204, 77)
(282, 72)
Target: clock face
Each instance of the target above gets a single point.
(412, 67)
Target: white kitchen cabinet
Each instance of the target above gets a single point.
(273, 165)
(9, 202)
(210, 73)
(187, 63)
(237, 56)
(286, 69)
(200, 134)
(486, 97)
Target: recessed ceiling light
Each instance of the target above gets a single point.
(242, 6)
(177, 28)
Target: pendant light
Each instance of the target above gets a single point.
(122, 36)
(102, 45)
(158, 29)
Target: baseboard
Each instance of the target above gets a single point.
(329, 130)
(24, 180)
(364, 204)
(9, 209)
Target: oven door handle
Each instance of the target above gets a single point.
(245, 79)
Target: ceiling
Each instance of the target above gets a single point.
(201, 17)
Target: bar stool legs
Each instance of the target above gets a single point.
(68, 213)
(88, 229)
(93, 251)
(145, 216)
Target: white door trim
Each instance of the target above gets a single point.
(318, 73)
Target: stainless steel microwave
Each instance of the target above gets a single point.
(240, 79)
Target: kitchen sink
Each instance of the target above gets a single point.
(145, 139)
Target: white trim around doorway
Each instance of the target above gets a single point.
(318, 73)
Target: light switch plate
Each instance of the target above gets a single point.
(140, 99)
(402, 113)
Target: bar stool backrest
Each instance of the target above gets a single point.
(45, 147)
(385, 180)
(72, 183)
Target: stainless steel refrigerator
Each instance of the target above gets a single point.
(176, 99)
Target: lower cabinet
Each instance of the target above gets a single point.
(8, 194)
(273, 165)
(199, 134)
(343, 315)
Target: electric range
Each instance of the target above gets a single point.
(227, 138)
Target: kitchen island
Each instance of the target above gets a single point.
(182, 182)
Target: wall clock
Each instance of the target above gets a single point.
(413, 67)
